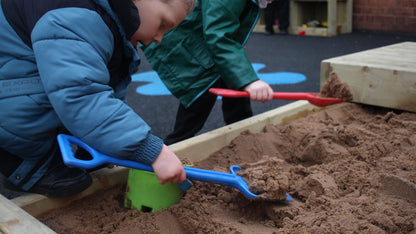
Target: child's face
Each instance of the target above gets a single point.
(156, 18)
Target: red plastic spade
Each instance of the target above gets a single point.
(311, 97)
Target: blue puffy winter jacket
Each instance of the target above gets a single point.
(66, 64)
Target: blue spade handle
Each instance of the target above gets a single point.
(228, 179)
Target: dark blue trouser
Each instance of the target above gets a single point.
(283, 15)
(190, 120)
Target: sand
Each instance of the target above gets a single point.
(350, 168)
(335, 88)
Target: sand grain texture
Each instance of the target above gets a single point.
(335, 88)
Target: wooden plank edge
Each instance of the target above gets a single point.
(15, 220)
(389, 87)
(202, 146)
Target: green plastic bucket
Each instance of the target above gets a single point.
(145, 194)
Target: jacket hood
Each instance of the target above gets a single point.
(128, 14)
(128, 48)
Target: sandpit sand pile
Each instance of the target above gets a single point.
(335, 88)
(350, 168)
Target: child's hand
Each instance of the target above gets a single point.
(168, 167)
(259, 91)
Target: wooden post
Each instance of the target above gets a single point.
(332, 17)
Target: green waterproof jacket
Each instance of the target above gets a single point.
(206, 46)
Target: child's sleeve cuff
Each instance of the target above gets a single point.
(149, 150)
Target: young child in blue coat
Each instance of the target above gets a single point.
(64, 67)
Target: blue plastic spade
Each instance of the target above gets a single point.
(97, 159)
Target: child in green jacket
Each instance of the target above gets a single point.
(207, 50)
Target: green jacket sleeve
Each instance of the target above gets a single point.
(225, 32)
